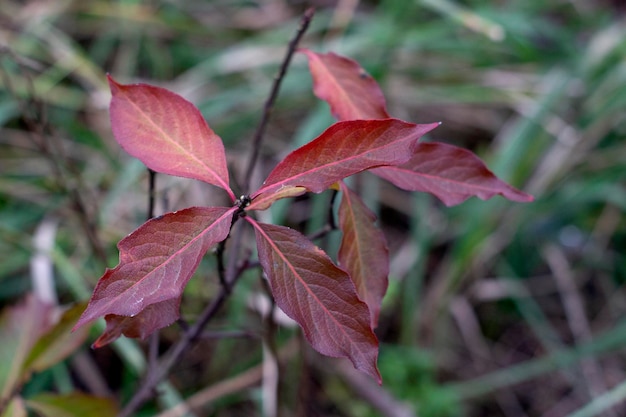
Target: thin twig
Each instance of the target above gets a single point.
(269, 104)
(159, 372)
(151, 192)
(331, 212)
(221, 269)
(228, 274)
(153, 346)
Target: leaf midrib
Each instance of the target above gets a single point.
(302, 282)
(408, 172)
(182, 149)
(313, 171)
(181, 251)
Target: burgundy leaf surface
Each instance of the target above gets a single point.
(156, 262)
(153, 317)
(450, 173)
(344, 149)
(350, 91)
(167, 133)
(318, 295)
(363, 252)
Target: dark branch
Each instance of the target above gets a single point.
(228, 274)
(269, 104)
(151, 192)
(158, 373)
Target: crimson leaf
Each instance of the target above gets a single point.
(156, 262)
(318, 295)
(153, 317)
(342, 150)
(451, 173)
(167, 133)
(363, 252)
(350, 91)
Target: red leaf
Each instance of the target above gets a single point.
(342, 150)
(318, 295)
(452, 174)
(350, 91)
(363, 252)
(156, 262)
(167, 133)
(153, 317)
(264, 201)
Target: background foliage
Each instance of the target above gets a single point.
(495, 308)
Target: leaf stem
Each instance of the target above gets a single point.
(230, 273)
(151, 192)
(269, 103)
(192, 333)
(153, 344)
(221, 270)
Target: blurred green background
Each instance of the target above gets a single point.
(494, 308)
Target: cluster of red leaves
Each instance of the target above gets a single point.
(336, 306)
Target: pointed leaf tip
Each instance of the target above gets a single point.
(344, 149)
(349, 90)
(153, 317)
(156, 262)
(450, 173)
(167, 133)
